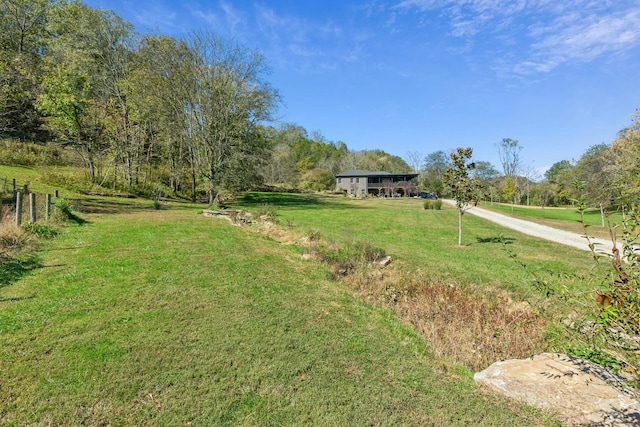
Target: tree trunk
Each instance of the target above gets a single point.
(459, 227)
(602, 214)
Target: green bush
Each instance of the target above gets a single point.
(63, 211)
(354, 255)
(17, 153)
(40, 230)
(607, 331)
(433, 204)
(71, 181)
(267, 209)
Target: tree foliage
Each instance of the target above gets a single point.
(464, 188)
(625, 157)
(434, 167)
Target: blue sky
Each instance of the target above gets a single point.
(426, 75)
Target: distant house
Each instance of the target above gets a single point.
(376, 183)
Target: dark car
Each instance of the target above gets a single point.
(425, 195)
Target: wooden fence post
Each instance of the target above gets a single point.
(47, 207)
(15, 190)
(18, 209)
(32, 207)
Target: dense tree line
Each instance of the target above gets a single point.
(606, 176)
(139, 111)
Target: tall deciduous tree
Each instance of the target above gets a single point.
(559, 176)
(70, 100)
(488, 176)
(414, 159)
(509, 152)
(22, 41)
(226, 98)
(464, 188)
(159, 89)
(434, 166)
(593, 169)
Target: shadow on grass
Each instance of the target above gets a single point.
(107, 205)
(251, 199)
(497, 239)
(118, 205)
(12, 269)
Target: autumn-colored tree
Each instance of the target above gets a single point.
(508, 190)
(465, 189)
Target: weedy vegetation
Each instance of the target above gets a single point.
(606, 329)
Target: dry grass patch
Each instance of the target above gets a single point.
(13, 239)
(463, 328)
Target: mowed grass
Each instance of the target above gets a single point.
(565, 218)
(170, 318)
(425, 241)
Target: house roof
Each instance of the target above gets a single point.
(356, 173)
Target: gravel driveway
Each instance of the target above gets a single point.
(536, 230)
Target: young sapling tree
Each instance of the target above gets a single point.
(464, 188)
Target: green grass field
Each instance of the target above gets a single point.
(426, 240)
(170, 318)
(146, 317)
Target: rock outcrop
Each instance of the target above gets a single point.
(577, 391)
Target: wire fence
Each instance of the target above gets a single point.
(19, 204)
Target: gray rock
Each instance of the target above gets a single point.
(384, 261)
(577, 391)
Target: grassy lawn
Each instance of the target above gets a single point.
(565, 218)
(425, 241)
(143, 317)
(30, 176)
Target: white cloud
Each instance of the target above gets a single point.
(223, 19)
(549, 32)
(306, 44)
(155, 17)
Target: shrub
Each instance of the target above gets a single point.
(40, 230)
(27, 154)
(157, 198)
(433, 204)
(312, 235)
(13, 239)
(607, 331)
(616, 327)
(63, 211)
(267, 209)
(354, 255)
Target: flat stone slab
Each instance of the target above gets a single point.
(577, 391)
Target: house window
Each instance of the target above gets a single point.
(351, 180)
(358, 180)
(339, 180)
